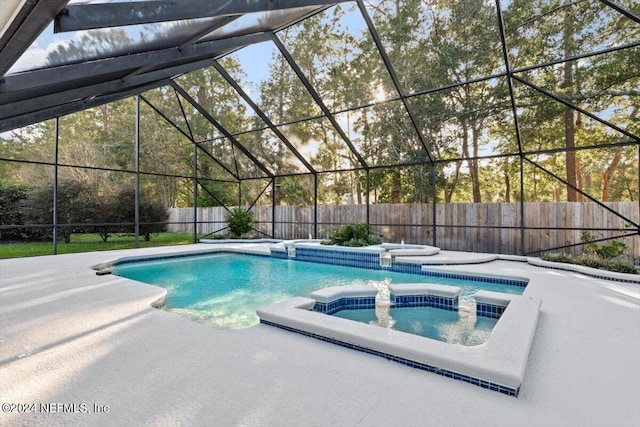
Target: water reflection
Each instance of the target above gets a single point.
(462, 327)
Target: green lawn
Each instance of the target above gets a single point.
(89, 243)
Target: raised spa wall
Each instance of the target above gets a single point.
(361, 297)
(397, 258)
(375, 257)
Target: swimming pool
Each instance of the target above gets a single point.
(224, 290)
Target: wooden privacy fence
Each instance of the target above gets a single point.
(474, 227)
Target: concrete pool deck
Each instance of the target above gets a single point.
(71, 337)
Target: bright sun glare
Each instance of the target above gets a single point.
(378, 94)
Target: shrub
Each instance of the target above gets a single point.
(621, 266)
(76, 205)
(352, 235)
(589, 261)
(240, 222)
(12, 200)
(592, 260)
(153, 218)
(557, 257)
(118, 210)
(612, 250)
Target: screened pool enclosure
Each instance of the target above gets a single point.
(506, 126)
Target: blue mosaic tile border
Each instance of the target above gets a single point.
(407, 362)
(279, 255)
(481, 279)
(366, 260)
(364, 303)
(450, 304)
(350, 303)
(408, 268)
(489, 310)
(371, 261)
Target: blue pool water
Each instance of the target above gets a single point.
(224, 290)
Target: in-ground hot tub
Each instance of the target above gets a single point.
(498, 364)
(428, 310)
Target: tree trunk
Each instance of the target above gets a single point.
(473, 170)
(450, 186)
(569, 126)
(507, 188)
(579, 180)
(104, 109)
(396, 196)
(608, 175)
(471, 164)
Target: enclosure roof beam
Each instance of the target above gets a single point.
(29, 111)
(507, 64)
(214, 26)
(167, 119)
(77, 104)
(622, 10)
(579, 109)
(394, 76)
(54, 103)
(596, 201)
(189, 137)
(576, 57)
(36, 82)
(221, 203)
(191, 40)
(220, 128)
(184, 116)
(102, 15)
(29, 21)
(258, 197)
(262, 115)
(316, 97)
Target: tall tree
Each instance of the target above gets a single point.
(572, 164)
